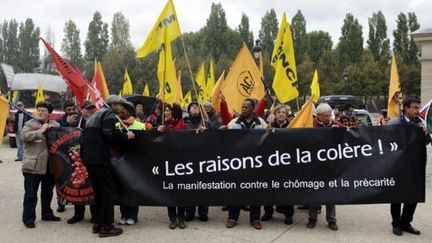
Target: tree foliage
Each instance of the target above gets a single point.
(71, 43)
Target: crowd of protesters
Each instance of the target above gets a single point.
(114, 125)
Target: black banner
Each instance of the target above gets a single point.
(283, 167)
(70, 174)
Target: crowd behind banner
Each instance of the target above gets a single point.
(103, 133)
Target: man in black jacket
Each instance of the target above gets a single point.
(402, 222)
(99, 135)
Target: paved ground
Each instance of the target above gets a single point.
(357, 223)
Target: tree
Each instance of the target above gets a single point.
(378, 43)
(298, 31)
(269, 30)
(71, 43)
(28, 42)
(245, 33)
(214, 31)
(120, 35)
(400, 35)
(412, 48)
(10, 43)
(318, 42)
(350, 47)
(96, 42)
(329, 77)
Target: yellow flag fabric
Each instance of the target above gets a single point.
(104, 88)
(127, 84)
(216, 90)
(4, 111)
(393, 107)
(146, 91)
(15, 96)
(286, 70)
(166, 29)
(187, 99)
(210, 80)
(315, 88)
(166, 74)
(279, 41)
(202, 89)
(303, 118)
(39, 95)
(243, 81)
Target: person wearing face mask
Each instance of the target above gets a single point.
(35, 167)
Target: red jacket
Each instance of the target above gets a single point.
(174, 124)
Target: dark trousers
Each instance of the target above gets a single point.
(192, 211)
(80, 210)
(176, 212)
(254, 213)
(102, 180)
(31, 185)
(129, 212)
(288, 210)
(406, 217)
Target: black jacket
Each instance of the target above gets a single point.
(16, 120)
(99, 135)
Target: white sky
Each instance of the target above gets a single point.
(324, 15)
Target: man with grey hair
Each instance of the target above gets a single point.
(323, 119)
(99, 135)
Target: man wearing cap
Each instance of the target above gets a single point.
(20, 118)
(99, 135)
(86, 110)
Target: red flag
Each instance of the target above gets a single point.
(73, 79)
(96, 95)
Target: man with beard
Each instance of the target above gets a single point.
(99, 135)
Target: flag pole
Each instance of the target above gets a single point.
(192, 79)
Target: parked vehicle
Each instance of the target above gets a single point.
(363, 116)
(341, 100)
(27, 84)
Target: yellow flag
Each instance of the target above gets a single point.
(315, 88)
(303, 118)
(166, 29)
(146, 91)
(279, 41)
(104, 88)
(4, 111)
(166, 74)
(286, 70)
(216, 91)
(39, 95)
(127, 85)
(15, 96)
(243, 81)
(394, 97)
(210, 80)
(202, 89)
(187, 99)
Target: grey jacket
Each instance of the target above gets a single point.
(36, 148)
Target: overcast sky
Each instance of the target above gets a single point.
(324, 15)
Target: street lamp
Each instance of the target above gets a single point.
(257, 49)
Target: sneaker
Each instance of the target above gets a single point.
(181, 224)
(122, 221)
(333, 226)
(256, 224)
(109, 230)
(230, 224)
(130, 222)
(311, 224)
(266, 217)
(173, 224)
(18, 160)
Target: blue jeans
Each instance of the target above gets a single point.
(20, 146)
(129, 212)
(31, 185)
(254, 214)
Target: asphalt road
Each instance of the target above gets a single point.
(357, 223)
